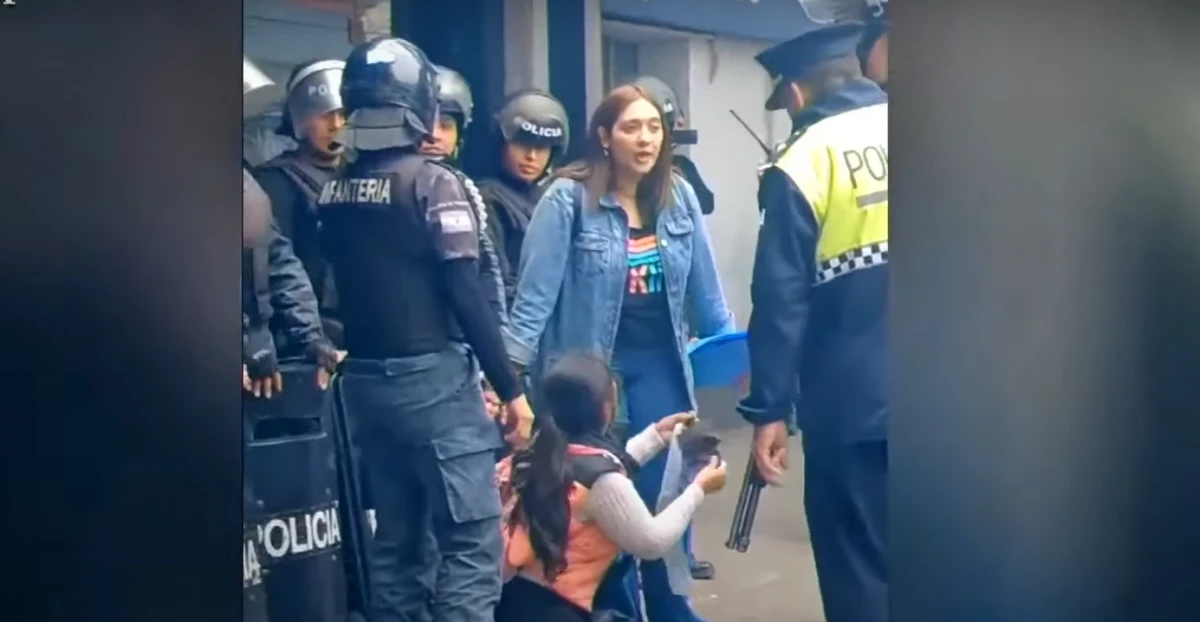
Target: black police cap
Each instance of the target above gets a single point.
(797, 58)
(877, 22)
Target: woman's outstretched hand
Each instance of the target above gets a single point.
(666, 425)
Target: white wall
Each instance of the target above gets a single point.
(722, 75)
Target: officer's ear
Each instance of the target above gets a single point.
(799, 100)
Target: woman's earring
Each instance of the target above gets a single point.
(606, 152)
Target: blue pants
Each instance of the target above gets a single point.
(653, 387)
(845, 500)
(428, 449)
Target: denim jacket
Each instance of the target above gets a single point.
(570, 291)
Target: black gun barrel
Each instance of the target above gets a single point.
(747, 507)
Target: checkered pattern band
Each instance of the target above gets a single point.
(849, 261)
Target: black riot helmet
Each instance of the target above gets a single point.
(454, 96)
(534, 117)
(669, 102)
(390, 93)
(313, 89)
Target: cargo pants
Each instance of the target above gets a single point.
(429, 452)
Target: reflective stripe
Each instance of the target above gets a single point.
(849, 261)
(840, 166)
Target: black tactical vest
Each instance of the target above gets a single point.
(309, 179)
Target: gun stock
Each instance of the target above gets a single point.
(747, 508)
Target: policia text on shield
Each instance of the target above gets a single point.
(817, 333)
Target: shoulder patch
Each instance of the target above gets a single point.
(472, 191)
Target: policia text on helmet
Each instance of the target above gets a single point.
(532, 126)
(455, 107)
(313, 108)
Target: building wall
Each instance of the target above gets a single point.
(723, 76)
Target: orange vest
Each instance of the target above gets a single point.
(589, 551)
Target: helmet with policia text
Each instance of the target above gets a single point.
(534, 117)
(669, 102)
(454, 96)
(257, 93)
(390, 93)
(313, 89)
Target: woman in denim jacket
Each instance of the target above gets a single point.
(617, 262)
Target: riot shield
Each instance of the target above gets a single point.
(357, 517)
(291, 463)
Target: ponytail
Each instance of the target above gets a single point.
(542, 484)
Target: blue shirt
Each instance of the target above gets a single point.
(572, 278)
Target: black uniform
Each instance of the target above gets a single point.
(277, 299)
(818, 332)
(510, 204)
(294, 182)
(294, 179)
(455, 101)
(403, 238)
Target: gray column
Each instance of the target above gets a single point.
(526, 45)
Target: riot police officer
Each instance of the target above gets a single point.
(817, 333)
(455, 107)
(445, 143)
(680, 136)
(403, 237)
(277, 300)
(312, 116)
(532, 133)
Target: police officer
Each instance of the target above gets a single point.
(873, 49)
(312, 117)
(819, 297)
(278, 304)
(532, 133)
(403, 237)
(455, 107)
(680, 136)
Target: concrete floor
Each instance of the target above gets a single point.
(775, 580)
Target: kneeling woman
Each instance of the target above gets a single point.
(570, 506)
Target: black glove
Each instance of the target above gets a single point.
(323, 353)
(259, 354)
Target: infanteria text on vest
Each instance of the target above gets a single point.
(369, 190)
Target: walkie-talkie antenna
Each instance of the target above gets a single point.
(765, 148)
